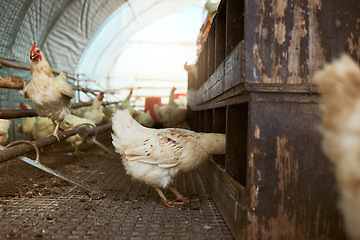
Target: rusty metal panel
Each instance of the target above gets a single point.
(235, 23)
(236, 142)
(291, 184)
(286, 41)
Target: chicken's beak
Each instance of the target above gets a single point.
(32, 55)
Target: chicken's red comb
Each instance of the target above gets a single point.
(33, 47)
(101, 96)
(22, 105)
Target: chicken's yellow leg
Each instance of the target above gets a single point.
(164, 200)
(180, 197)
(56, 131)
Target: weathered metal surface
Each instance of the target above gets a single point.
(229, 195)
(273, 147)
(292, 188)
(235, 26)
(286, 41)
(236, 138)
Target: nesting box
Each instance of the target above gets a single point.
(255, 84)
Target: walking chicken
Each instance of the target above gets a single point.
(157, 156)
(339, 84)
(50, 95)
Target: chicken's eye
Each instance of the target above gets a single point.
(38, 51)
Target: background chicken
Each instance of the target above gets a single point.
(157, 156)
(71, 121)
(126, 103)
(170, 114)
(50, 95)
(27, 124)
(191, 69)
(339, 84)
(94, 112)
(143, 118)
(212, 8)
(4, 130)
(42, 128)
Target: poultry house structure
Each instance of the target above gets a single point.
(251, 137)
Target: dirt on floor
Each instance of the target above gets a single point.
(37, 205)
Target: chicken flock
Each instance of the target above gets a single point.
(153, 156)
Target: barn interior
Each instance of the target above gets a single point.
(241, 68)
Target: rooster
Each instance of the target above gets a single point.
(27, 123)
(157, 156)
(71, 121)
(4, 130)
(339, 84)
(50, 95)
(94, 112)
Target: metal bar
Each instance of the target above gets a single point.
(15, 82)
(103, 147)
(19, 113)
(89, 131)
(21, 149)
(36, 163)
(12, 82)
(17, 65)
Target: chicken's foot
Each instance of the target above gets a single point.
(56, 131)
(180, 197)
(165, 201)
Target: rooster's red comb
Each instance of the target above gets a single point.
(101, 96)
(33, 47)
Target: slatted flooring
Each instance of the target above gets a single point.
(36, 205)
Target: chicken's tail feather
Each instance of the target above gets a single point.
(123, 124)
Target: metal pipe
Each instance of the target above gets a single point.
(21, 149)
(94, 193)
(89, 131)
(19, 113)
(17, 65)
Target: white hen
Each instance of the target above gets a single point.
(71, 121)
(339, 84)
(4, 130)
(157, 156)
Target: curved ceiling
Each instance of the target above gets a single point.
(78, 36)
